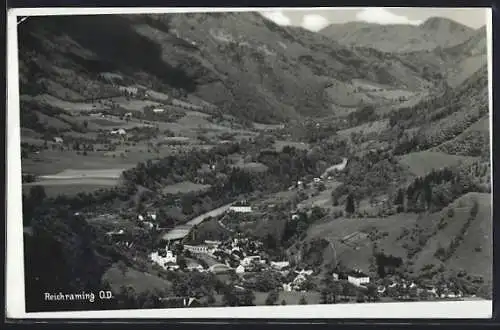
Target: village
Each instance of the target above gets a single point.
(246, 259)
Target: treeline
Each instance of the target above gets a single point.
(435, 190)
(368, 175)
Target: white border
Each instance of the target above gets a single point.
(15, 292)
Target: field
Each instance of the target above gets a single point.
(358, 255)
(291, 298)
(53, 162)
(372, 127)
(141, 282)
(252, 167)
(474, 254)
(72, 182)
(279, 145)
(323, 199)
(70, 106)
(184, 188)
(423, 162)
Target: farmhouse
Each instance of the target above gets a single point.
(159, 110)
(58, 140)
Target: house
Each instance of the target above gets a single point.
(287, 287)
(381, 289)
(113, 233)
(119, 131)
(335, 276)
(165, 260)
(128, 115)
(317, 180)
(295, 216)
(280, 265)
(158, 110)
(305, 272)
(240, 269)
(58, 140)
(140, 217)
(358, 278)
(247, 261)
(240, 209)
(298, 282)
(198, 248)
(196, 267)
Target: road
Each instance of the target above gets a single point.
(213, 213)
(181, 231)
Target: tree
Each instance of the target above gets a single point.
(360, 297)
(349, 205)
(302, 301)
(283, 302)
(372, 292)
(272, 297)
(37, 193)
(399, 197)
(122, 267)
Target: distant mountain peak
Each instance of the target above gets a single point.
(439, 23)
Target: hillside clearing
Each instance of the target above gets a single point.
(423, 162)
(139, 281)
(185, 187)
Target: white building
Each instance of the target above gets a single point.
(287, 287)
(280, 265)
(198, 248)
(247, 261)
(140, 217)
(119, 131)
(240, 269)
(358, 280)
(159, 110)
(305, 272)
(241, 209)
(335, 276)
(164, 261)
(58, 140)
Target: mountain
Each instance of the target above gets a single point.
(433, 33)
(456, 63)
(241, 63)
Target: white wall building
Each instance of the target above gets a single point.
(198, 248)
(163, 260)
(358, 280)
(247, 261)
(240, 269)
(279, 265)
(241, 209)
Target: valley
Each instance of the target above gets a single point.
(211, 138)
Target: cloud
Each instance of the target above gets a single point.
(384, 16)
(277, 17)
(314, 22)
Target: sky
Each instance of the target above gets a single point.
(316, 19)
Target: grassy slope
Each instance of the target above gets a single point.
(141, 282)
(423, 162)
